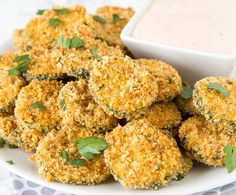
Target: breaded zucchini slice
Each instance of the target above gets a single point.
(164, 116)
(10, 86)
(43, 30)
(215, 98)
(45, 65)
(122, 87)
(36, 106)
(78, 62)
(77, 105)
(204, 142)
(53, 167)
(167, 77)
(142, 157)
(109, 22)
(26, 139)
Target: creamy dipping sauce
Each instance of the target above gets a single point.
(204, 25)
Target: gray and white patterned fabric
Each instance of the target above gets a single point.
(24, 187)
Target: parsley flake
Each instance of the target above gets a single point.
(95, 54)
(2, 143)
(54, 22)
(179, 177)
(99, 19)
(75, 42)
(23, 62)
(12, 146)
(39, 105)
(10, 162)
(116, 18)
(89, 146)
(187, 92)
(219, 89)
(63, 104)
(41, 11)
(61, 11)
(230, 157)
(65, 155)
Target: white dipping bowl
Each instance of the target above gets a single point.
(191, 64)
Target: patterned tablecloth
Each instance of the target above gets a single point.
(16, 17)
(11, 184)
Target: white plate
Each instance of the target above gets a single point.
(201, 177)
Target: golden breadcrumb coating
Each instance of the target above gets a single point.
(45, 65)
(10, 86)
(36, 105)
(217, 108)
(24, 138)
(40, 33)
(142, 157)
(164, 116)
(167, 77)
(110, 31)
(77, 105)
(204, 142)
(121, 86)
(21, 40)
(78, 61)
(52, 167)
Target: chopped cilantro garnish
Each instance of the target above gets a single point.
(84, 74)
(187, 92)
(63, 104)
(41, 11)
(12, 146)
(65, 155)
(219, 89)
(95, 54)
(23, 62)
(10, 162)
(75, 42)
(61, 11)
(21, 58)
(99, 19)
(179, 177)
(75, 162)
(2, 143)
(54, 22)
(39, 105)
(89, 146)
(116, 18)
(230, 157)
